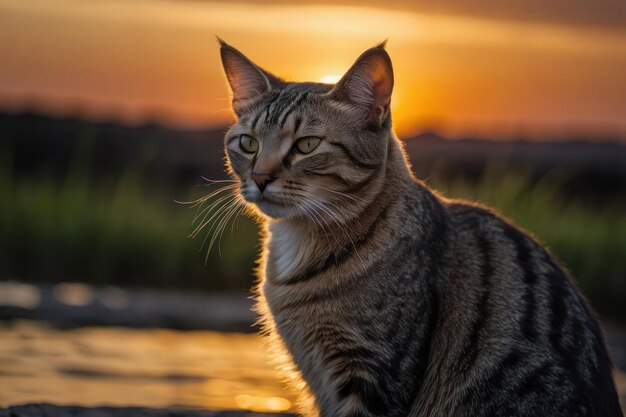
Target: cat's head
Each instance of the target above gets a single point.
(308, 150)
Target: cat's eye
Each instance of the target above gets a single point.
(248, 144)
(307, 144)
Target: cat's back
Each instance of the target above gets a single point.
(517, 338)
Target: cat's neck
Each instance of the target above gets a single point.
(296, 242)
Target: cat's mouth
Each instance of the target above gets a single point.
(273, 199)
(273, 204)
(255, 196)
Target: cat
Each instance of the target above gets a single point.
(385, 298)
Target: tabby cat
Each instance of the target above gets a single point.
(388, 299)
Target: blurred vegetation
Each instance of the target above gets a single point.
(121, 232)
(113, 232)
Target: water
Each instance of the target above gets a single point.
(122, 366)
(144, 367)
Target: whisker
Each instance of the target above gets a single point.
(219, 230)
(204, 223)
(213, 228)
(233, 214)
(343, 194)
(313, 216)
(218, 181)
(334, 215)
(206, 197)
(326, 228)
(236, 219)
(223, 205)
(209, 207)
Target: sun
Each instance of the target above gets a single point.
(330, 78)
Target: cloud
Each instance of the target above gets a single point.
(610, 14)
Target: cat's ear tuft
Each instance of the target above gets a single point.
(221, 41)
(368, 84)
(246, 80)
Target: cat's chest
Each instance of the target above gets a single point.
(290, 248)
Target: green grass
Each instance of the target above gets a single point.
(115, 232)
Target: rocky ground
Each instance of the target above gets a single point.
(47, 410)
(72, 305)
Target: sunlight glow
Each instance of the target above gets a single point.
(198, 360)
(330, 78)
(254, 403)
(157, 60)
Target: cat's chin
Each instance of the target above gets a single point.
(272, 206)
(275, 210)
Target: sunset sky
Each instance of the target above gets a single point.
(491, 68)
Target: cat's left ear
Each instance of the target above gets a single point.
(368, 84)
(247, 81)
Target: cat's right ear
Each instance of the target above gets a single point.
(246, 80)
(368, 84)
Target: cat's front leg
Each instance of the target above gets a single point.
(355, 394)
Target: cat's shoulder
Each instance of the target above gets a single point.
(471, 217)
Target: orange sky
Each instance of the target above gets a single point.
(497, 73)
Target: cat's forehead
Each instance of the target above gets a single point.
(290, 107)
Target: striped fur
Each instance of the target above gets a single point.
(385, 299)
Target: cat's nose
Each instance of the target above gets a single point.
(262, 180)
